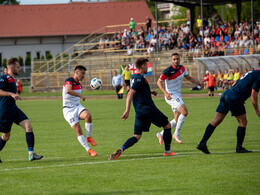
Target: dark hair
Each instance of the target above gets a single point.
(140, 61)
(175, 54)
(12, 61)
(79, 67)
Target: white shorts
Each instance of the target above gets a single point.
(175, 102)
(71, 115)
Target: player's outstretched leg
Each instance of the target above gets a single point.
(30, 143)
(91, 141)
(89, 129)
(203, 143)
(241, 132)
(160, 137)
(130, 142)
(92, 152)
(167, 138)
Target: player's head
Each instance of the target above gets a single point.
(127, 67)
(141, 64)
(5, 70)
(13, 66)
(175, 58)
(79, 72)
(115, 73)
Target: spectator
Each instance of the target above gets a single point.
(117, 83)
(237, 75)
(127, 76)
(148, 24)
(19, 87)
(132, 25)
(199, 22)
(211, 83)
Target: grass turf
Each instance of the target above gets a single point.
(67, 169)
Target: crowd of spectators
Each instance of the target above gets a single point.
(218, 35)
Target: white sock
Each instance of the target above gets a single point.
(180, 122)
(173, 123)
(83, 142)
(89, 127)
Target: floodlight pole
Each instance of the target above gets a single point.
(201, 8)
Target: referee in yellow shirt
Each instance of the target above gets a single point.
(127, 75)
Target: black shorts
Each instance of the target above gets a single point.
(127, 82)
(226, 104)
(211, 88)
(143, 122)
(7, 119)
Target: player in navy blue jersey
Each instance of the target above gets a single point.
(10, 113)
(145, 109)
(233, 100)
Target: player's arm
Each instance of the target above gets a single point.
(193, 80)
(160, 85)
(13, 95)
(254, 99)
(128, 104)
(68, 90)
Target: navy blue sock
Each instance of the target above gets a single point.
(241, 132)
(208, 132)
(130, 142)
(30, 140)
(2, 143)
(167, 138)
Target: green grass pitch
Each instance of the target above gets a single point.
(67, 169)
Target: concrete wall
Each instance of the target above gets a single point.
(14, 47)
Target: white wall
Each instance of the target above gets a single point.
(14, 47)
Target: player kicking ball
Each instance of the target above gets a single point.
(145, 109)
(10, 113)
(73, 111)
(233, 100)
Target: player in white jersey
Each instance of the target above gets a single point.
(73, 111)
(173, 76)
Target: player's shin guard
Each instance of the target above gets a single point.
(208, 132)
(2, 143)
(173, 123)
(241, 132)
(89, 127)
(130, 142)
(167, 138)
(180, 122)
(30, 141)
(83, 142)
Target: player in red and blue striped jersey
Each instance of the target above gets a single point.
(10, 113)
(173, 76)
(73, 111)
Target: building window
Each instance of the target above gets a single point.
(38, 55)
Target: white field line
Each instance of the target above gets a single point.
(112, 161)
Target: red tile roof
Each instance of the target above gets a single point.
(68, 19)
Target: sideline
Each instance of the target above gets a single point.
(114, 161)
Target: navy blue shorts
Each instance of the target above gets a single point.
(143, 122)
(226, 104)
(7, 119)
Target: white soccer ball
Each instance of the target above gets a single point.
(96, 84)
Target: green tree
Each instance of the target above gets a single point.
(48, 56)
(28, 60)
(9, 2)
(182, 14)
(20, 59)
(4, 62)
(42, 57)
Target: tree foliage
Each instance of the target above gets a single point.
(9, 2)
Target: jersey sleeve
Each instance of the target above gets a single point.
(256, 84)
(186, 72)
(164, 75)
(137, 83)
(67, 82)
(3, 82)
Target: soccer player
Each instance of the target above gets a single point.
(173, 76)
(233, 100)
(145, 109)
(10, 113)
(73, 111)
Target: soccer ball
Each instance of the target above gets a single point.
(96, 84)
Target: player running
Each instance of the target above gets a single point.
(10, 113)
(145, 109)
(233, 100)
(173, 76)
(73, 111)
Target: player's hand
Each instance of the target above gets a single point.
(16, 96)
(82, 97)
(168, 96)
(154, 93)
(125, 115)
